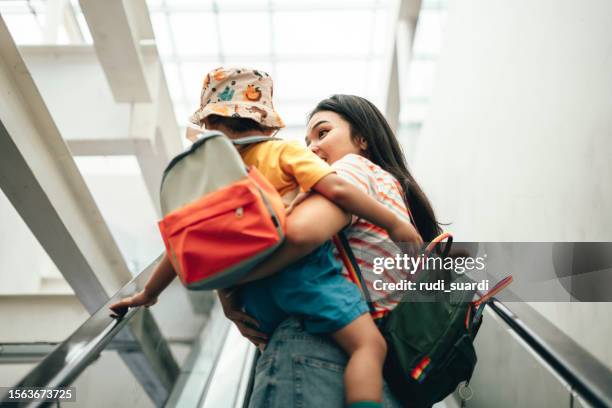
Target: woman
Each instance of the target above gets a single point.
(297, 368)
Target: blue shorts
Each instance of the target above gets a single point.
(311, 289)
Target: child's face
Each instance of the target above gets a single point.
(329, 137)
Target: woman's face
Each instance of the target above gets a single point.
(328, 135)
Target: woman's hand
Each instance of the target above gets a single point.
(141, 298)
(245, 323)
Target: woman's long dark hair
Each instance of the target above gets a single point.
(368, 122)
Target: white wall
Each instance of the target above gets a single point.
(517, 146)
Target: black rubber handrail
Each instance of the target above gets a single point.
(71, 357)
(587, 376)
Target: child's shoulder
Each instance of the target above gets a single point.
(276, 144)
(289, 148)
(267, 146)
(284, 150)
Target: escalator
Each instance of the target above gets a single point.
(524, 361)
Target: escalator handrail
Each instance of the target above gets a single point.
(586, 376)
(72, 356)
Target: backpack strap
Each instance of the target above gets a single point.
(480, 304)
(205, 135)
(350, 262)
(252, 139)
(494, 290)
(434, 245)
(438, 240)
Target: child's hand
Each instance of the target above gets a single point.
(405, 235)
(139, 299)
(296, 201)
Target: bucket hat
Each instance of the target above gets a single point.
(238, 93)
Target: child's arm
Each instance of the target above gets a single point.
(355, 201)
(317, 219)
(302, 234)
(159, 280)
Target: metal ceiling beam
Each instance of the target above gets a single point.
(41, 179)
(117, 44)
(72, 25)
(168, 138)
(53, 20)
(138, 15)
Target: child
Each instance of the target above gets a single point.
(238, 102)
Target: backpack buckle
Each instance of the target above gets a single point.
(465, 391)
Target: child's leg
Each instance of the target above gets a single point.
(367, 349)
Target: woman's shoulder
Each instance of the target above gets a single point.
(357, 163)
(356, 169)
(354, 158)
(365, 166)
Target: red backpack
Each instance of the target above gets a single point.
(220, 218)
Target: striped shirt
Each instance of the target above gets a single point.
(367, 240)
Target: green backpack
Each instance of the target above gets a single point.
(429, 341)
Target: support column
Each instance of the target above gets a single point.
(404, 17)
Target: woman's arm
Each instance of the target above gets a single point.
(308, 226)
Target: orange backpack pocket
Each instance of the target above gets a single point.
(215, 240)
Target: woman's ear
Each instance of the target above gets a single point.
(362, 143)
